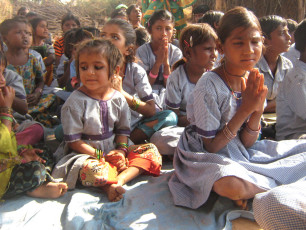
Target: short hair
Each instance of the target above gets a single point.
(131, 7)
(35, 21)
(300, 36)
(8, 24)
(22, 9)
(142, 36)
(200, 9)
(211, 17)
(159, 15)
(292, 25)
(31, 15)
(68, 17)
(106, 48)
(119, 12)
(3, 60)
(270, 23)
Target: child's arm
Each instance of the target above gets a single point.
(147, 109)
(82, 147)
(34, 97)
(49, 60)
(62, 81)
(20, 106)
(167, 70)
(7, 95)
(271, 106)
(254, 95)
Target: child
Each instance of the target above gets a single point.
(198, 43)
(142, 37)
(96, 125)
(292, 54)
(198, 12)
(134, 15)
(22, 171)
(69, 22)
(291, 99)
(120, 14)
(133, 84)
(17, 34)
(159, 55)
(218, 151)
(212, 17)
(40, 33)
(272, 64)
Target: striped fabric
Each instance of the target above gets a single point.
(59, 47)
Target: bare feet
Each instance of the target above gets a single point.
(114, 192)
(49, 190)
(241, 204)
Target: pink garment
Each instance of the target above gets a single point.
(30, 136)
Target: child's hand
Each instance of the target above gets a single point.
(117, 83)
(162, 51)
(31, 155)
(116, 157)
(33, 98)
(254, 91)
(7, 95)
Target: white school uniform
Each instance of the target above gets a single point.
(291, 104)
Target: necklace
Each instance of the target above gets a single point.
(229, 85)
(224, 68)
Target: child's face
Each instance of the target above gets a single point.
(161, 29)
(2, 79)
(20, 36)
(42, 30)
(94, 71)
(116, 36)
(204, 55)
(242, 49)
(280, 40)
(68, 25)
(135, 14)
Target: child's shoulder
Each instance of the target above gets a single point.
(210, 79)
(144, 49)
(286, 63)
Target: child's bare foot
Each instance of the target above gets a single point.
(50, 190)
(241, 204)
(114, 192)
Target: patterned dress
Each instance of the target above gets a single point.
(267, 164)
(31, 72)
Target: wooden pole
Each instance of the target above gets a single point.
(301, 9)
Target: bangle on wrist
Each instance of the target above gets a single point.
(251, 131)
(228, 133)
(99, 154)
(135, 103)
(6, 118)
(6, 110)
(153, 75)
(166, 76)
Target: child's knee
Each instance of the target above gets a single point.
(230, 187)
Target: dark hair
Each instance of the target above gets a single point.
(35, 21)
(159, 15)
(234, 18)
(3, 59)
(8, 24)
(292, 25)
(69, 17)
(142, 36)
(300, 36)
(95, 31)
(104, 47)
(119, 13)
(270, 23)
(211, 17)
(131, 7)
(129, 35)
(200, 9)
(193, 35)
(73, 37)
(22, 9)
(31, 15)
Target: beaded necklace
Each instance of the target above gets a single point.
(229, 85)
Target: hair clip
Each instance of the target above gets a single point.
(191, 42)
(186, 43)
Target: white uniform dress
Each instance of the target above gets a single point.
(291, 104)
(178, 90)
(136, 83)
(273, 81)
(93, 121)
(147, 60)
(267, 163)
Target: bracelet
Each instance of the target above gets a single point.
(99, 154)
(135, 103)
(7, 118)
(251, 131)
(166, 76)
(123, 147)
(6, 110)
(6, 115)
(227, 133)
(153, 75)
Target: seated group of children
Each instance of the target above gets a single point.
(124, 105)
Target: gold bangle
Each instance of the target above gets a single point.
(228, 133)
